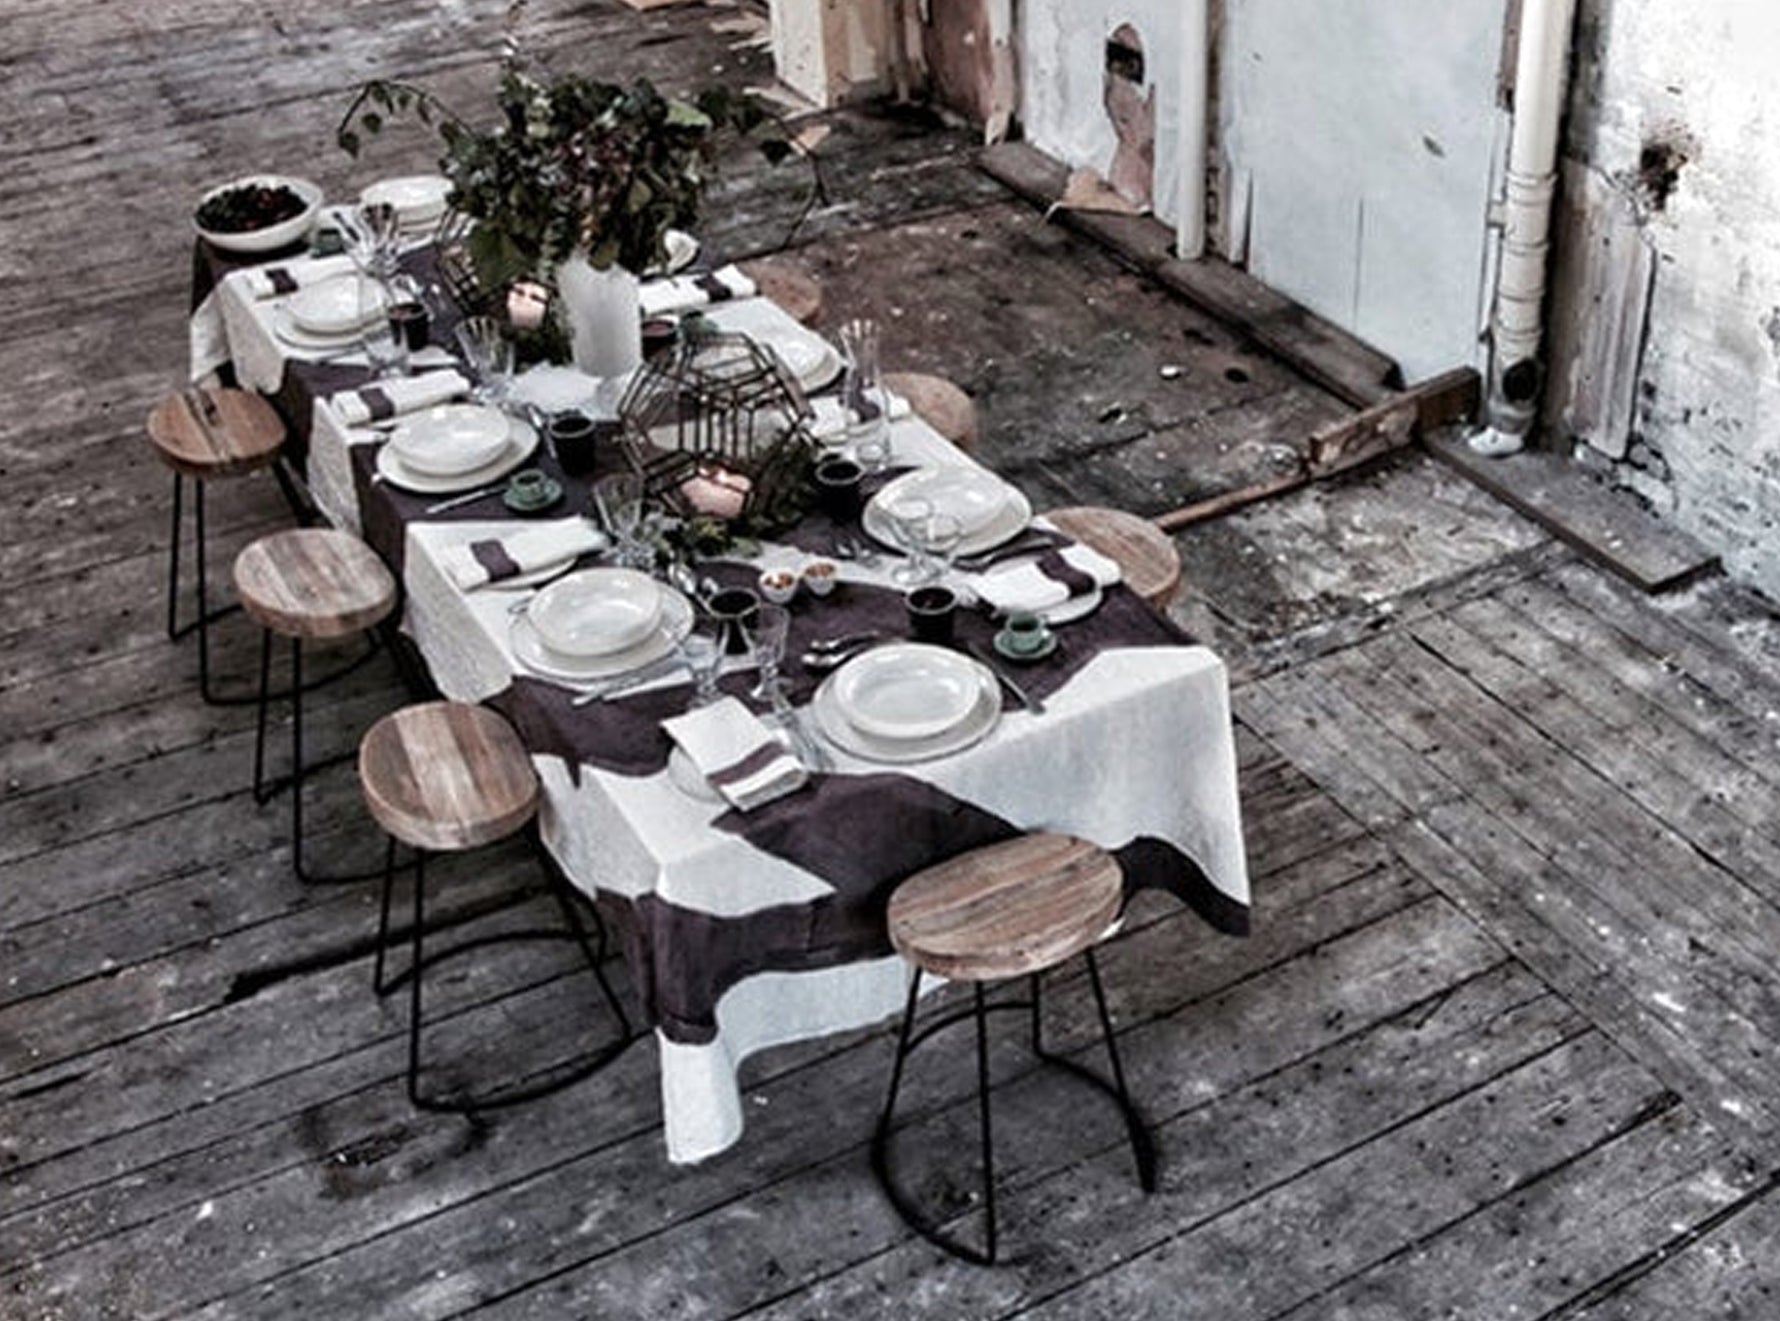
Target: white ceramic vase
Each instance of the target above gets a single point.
(603, 317)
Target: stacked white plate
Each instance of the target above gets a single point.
(908, 702)
(335, 308)
(418, 199)
(599, 623)
(987, 509)
(454, 447)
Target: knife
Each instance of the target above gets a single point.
(1006, 680)
(625, 683)
(467, 498)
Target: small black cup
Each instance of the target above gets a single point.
(734, 608)
(932, 611)
(410, 322)
(574, 437)
(837, 489)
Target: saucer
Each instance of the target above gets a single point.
(551, 495)
(1023, 657)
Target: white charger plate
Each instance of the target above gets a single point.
(596, 612)
(906, 690)
(448, 440)
(530, 651)
(286, 330)
(522, 440)
(1009, 523)
(330, 307)
(840, 731)
(974, 496)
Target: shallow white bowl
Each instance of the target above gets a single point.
(449, 439)
(972, 495)
(596, 612)
(273, 237)
(907, 690)
(333, 307)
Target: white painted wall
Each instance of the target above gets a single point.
(1062, 61)
(1705, 444)
(1365, 134)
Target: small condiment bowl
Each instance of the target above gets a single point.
(820, 577)
(778, 585)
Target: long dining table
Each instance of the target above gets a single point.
(744, 930)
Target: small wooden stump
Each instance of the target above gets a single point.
(1007, 909)
(1147, 559)
(447, 776)
(313, 583)
(215, 433)
(944, 406)
(789, 285)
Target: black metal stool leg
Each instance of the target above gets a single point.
(416, 963)
(174, 535)
(1142, 1148)
(389, 885)
(988, 1128)
(260, 790)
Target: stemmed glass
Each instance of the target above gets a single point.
(701, 651)
(863, 397)
(488, 354)
(767, 632)
(384, 345)
(618, 499)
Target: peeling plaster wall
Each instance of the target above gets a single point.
(1062, 95)
(1675, 120)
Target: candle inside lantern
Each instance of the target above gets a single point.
(717, 491)
(527, 302)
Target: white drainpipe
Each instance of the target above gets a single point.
(1517, 325)
(1195, 103)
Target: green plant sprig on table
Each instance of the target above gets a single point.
(570, 165)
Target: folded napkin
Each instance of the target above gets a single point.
(403, 394)
(289, 276)
(736, 753)
(493, 559)
(1051, 579)
(682, 293)
(830, 421)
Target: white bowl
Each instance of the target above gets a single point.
(596, 612)
(333, 307)
(449, 439)
(972, 495)
(907, 690)
(418, 199)
(272, 237)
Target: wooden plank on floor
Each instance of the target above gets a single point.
(1608, 526)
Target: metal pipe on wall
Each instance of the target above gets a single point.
(1517, 319)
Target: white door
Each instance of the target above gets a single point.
(1364, 134)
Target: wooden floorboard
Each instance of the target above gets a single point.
(1502, 1042)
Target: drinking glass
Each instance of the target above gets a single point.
(907, 520)
(863, 396)
(767, 632)
(702, 652)
(940, 536)
(619, 501)
(410, 319)
(488, 356)
(385, 349)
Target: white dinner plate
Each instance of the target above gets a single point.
(286, 329)
(907, 690)
(522, 439)
(596, 612)
(448, 440)
(1009, 523)
(330, 307)
(973, 496)
(418, 198)
(840, 731)
(530, 651)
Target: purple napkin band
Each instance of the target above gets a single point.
(1053, 566)
(283, 282)
(492, 556)
(713, 288)
(377, 403)
(750, 764)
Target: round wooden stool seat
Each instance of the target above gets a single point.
(788, 284)
(215, 433)
(940, 403)
(447, 776)
(1006, 909)
(1147, 559)
(313, 583)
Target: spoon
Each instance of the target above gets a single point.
(845, 642)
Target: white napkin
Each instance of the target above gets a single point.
(288, 276)
(830, 420)
(682, 293)
(494, 559)
(1042, 583)
(736, 753)
(403, 394)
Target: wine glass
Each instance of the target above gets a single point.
(488, 355)
(907, 519)
(940, 536)
(618, 499)
(701, 650)
(385, 348)
(766, 632)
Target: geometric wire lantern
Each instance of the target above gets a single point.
(716, 400)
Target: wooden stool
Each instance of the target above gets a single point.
(942, 405)
(1017, 908)
(207, 434)
(307, 583)
(1147, 559)
(444, 777)
(788, 284)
